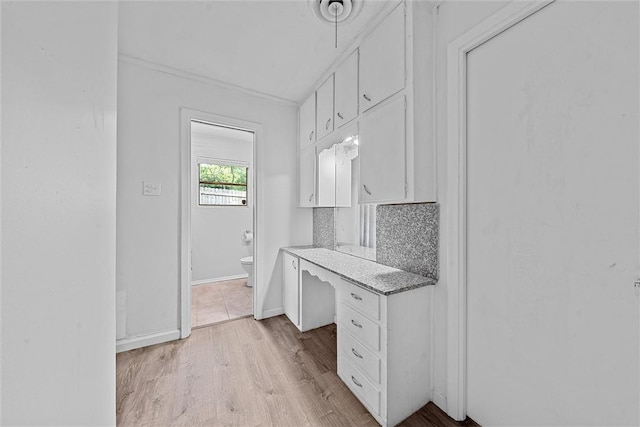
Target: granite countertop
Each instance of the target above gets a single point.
(376, 277)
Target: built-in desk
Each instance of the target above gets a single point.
(383, 320)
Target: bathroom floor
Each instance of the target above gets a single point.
(220, 301)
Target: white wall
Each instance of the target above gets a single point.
(149, 103)
(58, 213)
(454, 19)
(217, 242)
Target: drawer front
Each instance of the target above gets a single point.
(361, 328)
(358, 355)
(366, 302)
(364, 390)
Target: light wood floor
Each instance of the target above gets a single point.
(244, 373)
(220, 301)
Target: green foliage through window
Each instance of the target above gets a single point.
(223, 185)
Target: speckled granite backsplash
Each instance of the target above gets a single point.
(324, 229)
(407, 237)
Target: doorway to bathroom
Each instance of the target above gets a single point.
(221, 222)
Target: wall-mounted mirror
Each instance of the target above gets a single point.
(338, 184)
(355, 223)
(334, 168)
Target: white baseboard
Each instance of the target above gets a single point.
(272, 312)
(218, 279)
(146, 340)
(439, 399)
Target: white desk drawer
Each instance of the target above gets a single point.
(366, 302)
(358, 355)
(359, 385)
(361, 328)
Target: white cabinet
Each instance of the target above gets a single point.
(346, 93)
(325, 108)
(383, 341)
(307, 122)
(382, 60)
(383, 349)
(307, 177)
(291, 288)
(343, 177)
(383, 175)
(392, 62)
(327, 177)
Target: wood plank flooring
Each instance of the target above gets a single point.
(244, 373)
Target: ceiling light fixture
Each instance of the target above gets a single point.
(335, 12)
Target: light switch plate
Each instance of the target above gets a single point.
(151, 189)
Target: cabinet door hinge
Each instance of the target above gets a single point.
(405, 104)
(405, 189)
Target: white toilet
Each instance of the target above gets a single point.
(247, 265)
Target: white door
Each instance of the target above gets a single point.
(383, 172)
(382, 60)
(307, 123)
(553, 219)
(307, 177)
(325, 108)
(346, 88)
(291, 289)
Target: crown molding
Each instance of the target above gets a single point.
(177, 72)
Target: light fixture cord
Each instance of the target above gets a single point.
(335, 14)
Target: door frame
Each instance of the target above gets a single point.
(186, 116)
(456, 267)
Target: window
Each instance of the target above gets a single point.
(223, 184)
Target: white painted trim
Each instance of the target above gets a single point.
(201, 78)
(272, 312)
(218, 279)
(457, 52)
(439, 399)
(434, 120)
(127, 344)
(186, 115)
(1, 222)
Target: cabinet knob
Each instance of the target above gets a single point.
(365, 96)
(311, 136)
(356, 324)
(326, 127)
(366, 189)
(355, 353)
(340, 115)
(356, 297)
(311, 197)
(293, 263)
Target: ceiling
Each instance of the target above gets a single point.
(274, 47)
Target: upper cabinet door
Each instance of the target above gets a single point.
(307, 177)
(347, 90)
(308, 122)
(382, 60)
(382, 150)
(325, 108)
(327, 177)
